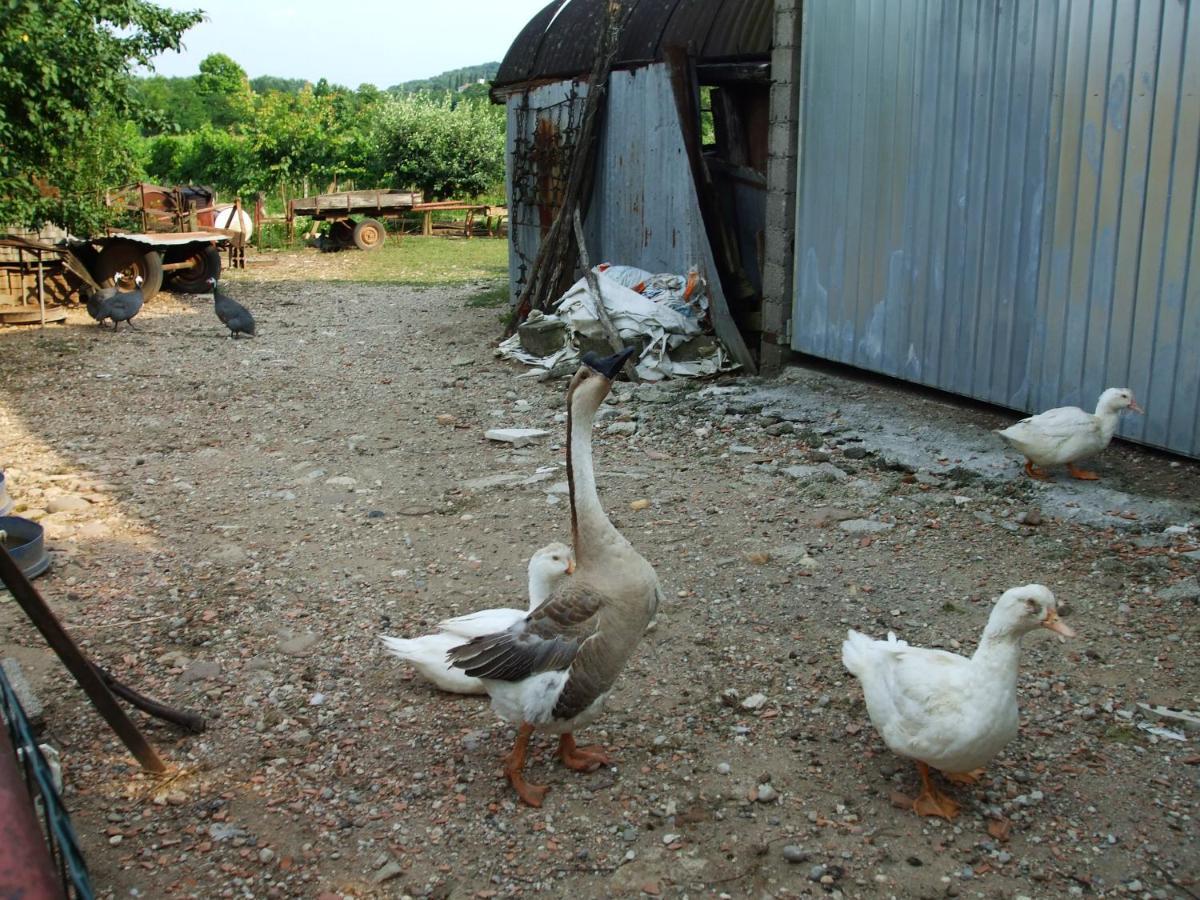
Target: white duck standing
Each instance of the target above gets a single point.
(553, 670)
(1068, 434)
(942, 710)
(427, 654)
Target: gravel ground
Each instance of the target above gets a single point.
(233, 523)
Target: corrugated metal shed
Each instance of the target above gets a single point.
(1000, 199)
(645, 210)
(559, 41)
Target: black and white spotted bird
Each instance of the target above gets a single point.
(123, 306)
(232, 314)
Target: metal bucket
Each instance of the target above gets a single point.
(25, 542)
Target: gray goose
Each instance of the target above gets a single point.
(552, 670)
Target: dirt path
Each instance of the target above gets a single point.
(239, 520)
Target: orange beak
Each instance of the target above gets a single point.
(1137, 409)
(1055, 624)
(570, 567)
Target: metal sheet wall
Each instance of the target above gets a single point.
(644, 210)
(1000, 199)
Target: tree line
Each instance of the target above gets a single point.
(76, 120)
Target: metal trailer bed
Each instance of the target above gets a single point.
(355, 214)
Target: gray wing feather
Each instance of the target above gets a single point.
(546, 640)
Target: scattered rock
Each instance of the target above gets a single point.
(34, 711)
(825, 473)
(1187, 589)
(300, 645)
(638, 505)
(794, 853)
(625, 428)
(68, 503)
(518, 437)
(391, 869)
(865, 526)
(1031, 517)
(201, 670)
(754, 701)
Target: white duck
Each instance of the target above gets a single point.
(945, 711)
(427, 654)
(1068, 434)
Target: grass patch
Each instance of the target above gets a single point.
(1121, 734)
(431, 262)
(491, 298)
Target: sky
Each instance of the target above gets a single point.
(382, 42)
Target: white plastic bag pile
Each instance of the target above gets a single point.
(665, 310)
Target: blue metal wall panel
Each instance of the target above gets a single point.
(999, 199)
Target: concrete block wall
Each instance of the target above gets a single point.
(783, 154)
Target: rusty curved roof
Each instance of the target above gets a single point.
(560, 40)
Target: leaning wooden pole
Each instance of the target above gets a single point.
(77, 664)
(558, 254)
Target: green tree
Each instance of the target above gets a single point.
(65, 87)
(443, 147)
(224, 87)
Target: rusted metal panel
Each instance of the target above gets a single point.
(560, 41)
(1000, 199)
(541, 132)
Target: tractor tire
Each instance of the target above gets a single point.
(369, 234)
(130, 259)
(206, 264)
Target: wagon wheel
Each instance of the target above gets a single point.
(205, 263)
(369, 234)
(130, 260)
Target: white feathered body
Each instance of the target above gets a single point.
(953, 713)
(1060, 436)
(427, 654)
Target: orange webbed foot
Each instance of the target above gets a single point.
(1034, 472)
(581, 759)
(530, 794)
(1082, 474)
(964, 778)
(932, 801)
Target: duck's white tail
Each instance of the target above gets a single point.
(857, 650)
(427, 655)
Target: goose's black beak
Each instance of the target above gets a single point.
(609, 366)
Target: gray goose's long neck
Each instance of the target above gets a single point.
(590, 528)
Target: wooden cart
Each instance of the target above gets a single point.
(355, 215)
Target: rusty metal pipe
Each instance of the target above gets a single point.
(26, 869)
(77, 663)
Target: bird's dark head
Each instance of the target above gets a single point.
(608, 366)
(594, 379)
(211, 282)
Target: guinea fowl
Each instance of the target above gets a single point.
(97, 298)
(427, 654)
(232, 314)
(123, 305)
(553, 669)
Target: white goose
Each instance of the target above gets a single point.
(427, 654)
(1067, 434)
(945, 711)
